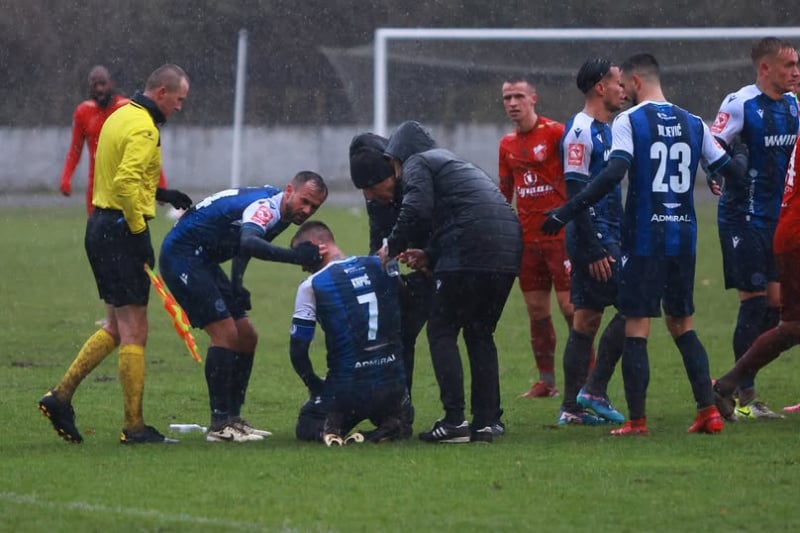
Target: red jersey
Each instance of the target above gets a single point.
(530, 167)
(87, 122)
(787, 234)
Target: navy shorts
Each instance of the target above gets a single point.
(120, 277)
(201, 287)
(747, 259)
(588, 293)
(648, 283)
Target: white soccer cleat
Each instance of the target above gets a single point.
(354, 438)
(245, 426)
(230, 433)
(332, 439)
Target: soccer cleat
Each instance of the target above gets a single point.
(792, 408)
(332, 439)
(447, 433)
(580, 418)
(725, 404)
(540, 389)
(389, 430)
(244, 426)
(148, 435)
(600, 405)
(355, 438)
(756, 409)
(636, 428)
(61, 415)
(708, 420)
(483, 434)
(231, 433)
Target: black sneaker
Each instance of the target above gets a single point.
(484, 434)
(447, 433)
(498, 428)
(146, 436)
(61, 415)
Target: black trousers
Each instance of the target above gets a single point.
(415, 304)
(472, 302)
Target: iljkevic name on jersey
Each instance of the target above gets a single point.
(669, 131)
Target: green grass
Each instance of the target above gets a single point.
(536, 477)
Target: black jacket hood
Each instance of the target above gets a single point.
(408, 139)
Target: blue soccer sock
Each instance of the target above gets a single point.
(752, 313)
(772, 318)
(636, 374)
(577, 354)
(609, 350)
(242, 368)
(695, 360)
(219, 378)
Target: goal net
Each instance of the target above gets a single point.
(453, 76)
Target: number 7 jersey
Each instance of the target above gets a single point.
(663, 144)
(357, 305)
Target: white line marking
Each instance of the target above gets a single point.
(34, 500)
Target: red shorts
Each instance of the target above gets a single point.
(786, 264)
(544, 265)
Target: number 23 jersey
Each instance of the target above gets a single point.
(663, 144)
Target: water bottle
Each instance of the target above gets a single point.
(187, 428)
(392, 266)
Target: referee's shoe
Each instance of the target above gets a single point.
(61, 415)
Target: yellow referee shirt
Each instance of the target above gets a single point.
(128, 165)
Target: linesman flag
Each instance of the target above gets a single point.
(179, 320)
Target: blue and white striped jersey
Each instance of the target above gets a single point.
(211, 228)
(357, 305)
(585, 147)
(663, 144)
(769, 128)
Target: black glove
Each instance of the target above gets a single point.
(553, 224)
(315, 385)
(307, 254)
(740, 152)
(175, 197)
(142, 248)
(241, 299)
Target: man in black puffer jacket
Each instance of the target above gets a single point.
(474, 253)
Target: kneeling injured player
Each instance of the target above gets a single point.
(357, 305)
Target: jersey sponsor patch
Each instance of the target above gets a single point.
(575, 154)
(720, 122)
(262, 216)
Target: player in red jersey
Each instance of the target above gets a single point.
(531, 170)
(87, 121)
(770, 344)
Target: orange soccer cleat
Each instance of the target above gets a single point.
(636, 427)
(708, 420)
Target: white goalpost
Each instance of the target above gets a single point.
(383, 37)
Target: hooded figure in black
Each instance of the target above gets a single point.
(474, 253)
(373, 174)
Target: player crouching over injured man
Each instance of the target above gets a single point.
(357, 305)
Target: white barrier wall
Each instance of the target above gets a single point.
(199, 158)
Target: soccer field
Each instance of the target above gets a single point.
(538, 476)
